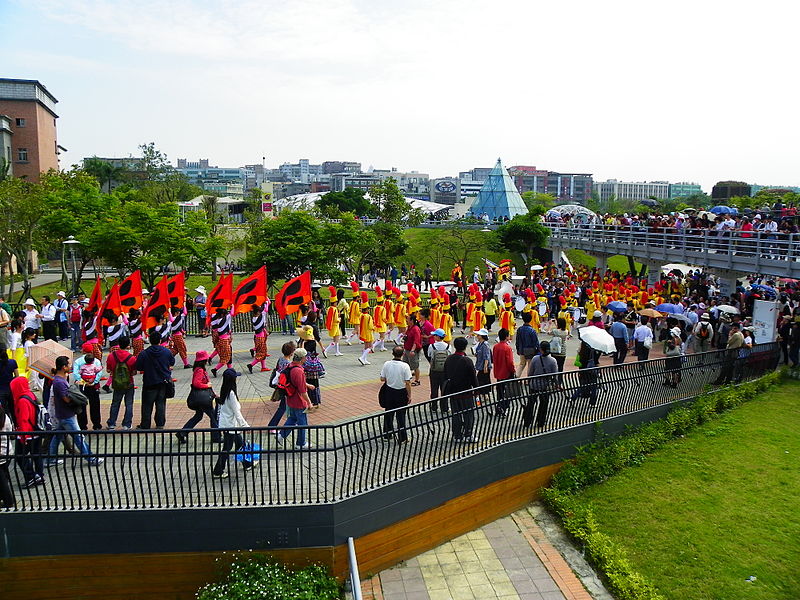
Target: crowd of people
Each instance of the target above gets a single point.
(538, 325)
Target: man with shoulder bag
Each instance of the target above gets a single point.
(542, 366)
(461, 378)
(155, 363)
(527, 343)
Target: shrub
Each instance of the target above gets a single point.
(260, 577)
(596, 462)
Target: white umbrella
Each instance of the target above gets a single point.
(681, 318)
(597, 339)
(727, 308)
(537, 268)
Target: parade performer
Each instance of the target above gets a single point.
(177, 344)
(365, 329)
(436, 313)
(258, 318)
(355, 313)
(214, 322)
(224, 349)
(388, 310)
(469, 310)
(400, 316)
(333, 321)
(507, 320)
(379, 321)
(446, 322)
(135, 330)
(478, 316)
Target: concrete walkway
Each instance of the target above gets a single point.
(510, 559)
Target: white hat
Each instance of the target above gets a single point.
(482, 332)
(597, 313)
(85, 301)
(62, 294)
(29, 302)
(675, 331)
(144, 291)
(200, 289)
(705, 316)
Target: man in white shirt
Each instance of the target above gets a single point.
(62, 306)
(395, 394)
(48, 316)
(703, 333)
(641, 335)
(31, 319)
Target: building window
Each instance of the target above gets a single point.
(22, 154)
(20, 122)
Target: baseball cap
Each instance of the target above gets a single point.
(597, 313)
(438, 332)
(88, 348)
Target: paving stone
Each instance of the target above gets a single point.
(505, 588)
(447, 558)
(476, 578)
(552, 596)
(391, 575)
(546, 585)
(518, 575)
(452, 569)
(483, 591)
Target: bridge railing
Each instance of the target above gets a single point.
(759, 246)
(152, 469)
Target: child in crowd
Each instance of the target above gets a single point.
(314, 370)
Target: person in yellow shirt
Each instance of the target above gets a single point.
(332, 322)
(446, 323)
(478, 316)
(355, 313)
(490, 310)
(400, 316)
(469, 310)
(507, 320)
(379, 321)
(365, 333)
(388, 310)
(436, 314)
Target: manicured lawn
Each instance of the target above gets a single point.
(710, 510)
(615, 263)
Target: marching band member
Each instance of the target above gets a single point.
(258, 318)
(333, 321)
(365, 329)
(224, 349)
(355, 313)
(177, 343)
(379, 321)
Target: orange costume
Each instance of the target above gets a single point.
(507, 315)
(366, 324)
(332, 318)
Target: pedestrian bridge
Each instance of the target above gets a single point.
(772, 254)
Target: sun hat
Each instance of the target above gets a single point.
(201, 355)
(597, 313)
(88, 348)
(482, 332)
(29, 302)
(200, 289)
(62, 294)
(144, 291)
(675, 331)
(705, 316)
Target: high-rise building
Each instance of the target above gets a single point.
(32, 117)
(565, 187)
(330, 167)
(684, 189)
(725, 190)
(631, 190)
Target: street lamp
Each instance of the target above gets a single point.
(70, 243)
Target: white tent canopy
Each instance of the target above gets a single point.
(580, 214)
(308, 201)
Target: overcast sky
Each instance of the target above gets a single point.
(679, 91)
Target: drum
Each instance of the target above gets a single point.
(519, 303)
(542, 308)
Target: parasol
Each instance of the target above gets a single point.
(537, 268)
(42, 357)
(649, 312)
(681, 318)
(617, 306)
(597, 339)
(727, 308)
(670, 308)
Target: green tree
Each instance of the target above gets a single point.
(21, 210)
(460, 243)
(390, 206)
(351, 200)
(534, 199)
(523, 234)
(104, 172)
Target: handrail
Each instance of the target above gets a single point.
(150, 469)
(355, 580)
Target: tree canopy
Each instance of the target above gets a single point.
(351, 200)
(523, 234)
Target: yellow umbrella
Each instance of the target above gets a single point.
(650, 312)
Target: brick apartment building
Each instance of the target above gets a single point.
(30, 109)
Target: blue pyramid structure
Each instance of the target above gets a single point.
(499, 196)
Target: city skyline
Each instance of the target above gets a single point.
(626, 92)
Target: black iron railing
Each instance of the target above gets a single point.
(151, 469)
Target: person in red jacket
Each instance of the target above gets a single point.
(504, 369)
(28, 447)
(118, 356)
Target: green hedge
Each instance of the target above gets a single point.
(596, 462)
(260, 577)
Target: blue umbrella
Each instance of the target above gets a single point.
(617, 306)
(723, 210)
(764, 288)
(673, 309)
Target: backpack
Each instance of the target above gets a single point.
(75, 315)
(285, 381)
(42, 421)
(704, 331)
(121, 377)
(438, 359)
(555, 345)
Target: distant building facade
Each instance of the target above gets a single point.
(329, 167)
(725, 190)
(684, 189)
(631, 190)
(6, 160)
(446, 190)
(31, 113)
(565, 187)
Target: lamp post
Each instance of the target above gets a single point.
(70, 243)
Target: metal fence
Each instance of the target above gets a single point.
(775, 252)
(151, 469)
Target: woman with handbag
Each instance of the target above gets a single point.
(200, 399)
(230, 416)
(278, 395)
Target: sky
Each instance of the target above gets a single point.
(700, 90)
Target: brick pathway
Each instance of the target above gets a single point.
(509, 559)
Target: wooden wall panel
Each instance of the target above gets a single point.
(177, 576)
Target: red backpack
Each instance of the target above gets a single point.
(75, 314)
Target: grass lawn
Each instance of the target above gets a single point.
(615, 263)
(708, 511)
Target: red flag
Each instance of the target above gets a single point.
(112, 307)
(130, 291)
(294, 292)
(176, 286)
(158, 306)
(250, 292)
(221, 296)
(96, 299)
